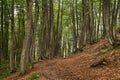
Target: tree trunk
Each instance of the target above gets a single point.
(92, 27)
(57, 32)
(2, 20)
(26, 41)
(83, 30)
(114, 19)
(61, 27)
(44, 32)
(32, 49)
(51, 25)
(12, 51)
(107, 22)
(98, 26)
(74, 28)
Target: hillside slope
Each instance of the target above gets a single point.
(77, 66)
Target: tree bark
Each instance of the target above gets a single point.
(32, 49)
(114, 18)
(83, 30)
(74, 28)
(107, 22)
(26, 41)
(51, 25)
(12, 46)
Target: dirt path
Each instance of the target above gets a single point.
(76, 67)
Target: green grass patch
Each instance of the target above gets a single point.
(104, 51)
(34, 76)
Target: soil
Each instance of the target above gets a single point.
(76, 67)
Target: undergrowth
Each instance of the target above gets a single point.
(4, 69)
(34, 76)
(103, 51)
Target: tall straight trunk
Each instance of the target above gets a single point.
(51, 25)
(57, 32)
(26, 41)
(114, 18)
(12, 46)
(4, 27)
(44, 32)
(20, 32)
(77, 24)
(74, 28)
(5, 32)
(48, 29)
(103, 17)
(61, 27)
(77, 21)
(32, 48)
(83, 30)
(92, 30)
(107, 22)
(2, 20)
(99, 17)
(58, 15)
(19, 37)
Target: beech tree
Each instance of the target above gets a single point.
(12, 51)
(84, 24)
(26, 42)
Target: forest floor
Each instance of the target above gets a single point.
(80, 66)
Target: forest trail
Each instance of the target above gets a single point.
(75, 67)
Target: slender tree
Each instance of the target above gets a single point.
(44, 32)
(115, 11)
(83, 29)
(33, 33)
(51, 25)
(12, 51)
(74, 27)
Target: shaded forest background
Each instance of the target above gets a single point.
(34, 30)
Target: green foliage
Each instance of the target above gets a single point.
(104, 51)
(34, 76)
(5, 74)
(106, 54)
(116, 44)
(103, 54)
(118, 29)
(4, 69)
